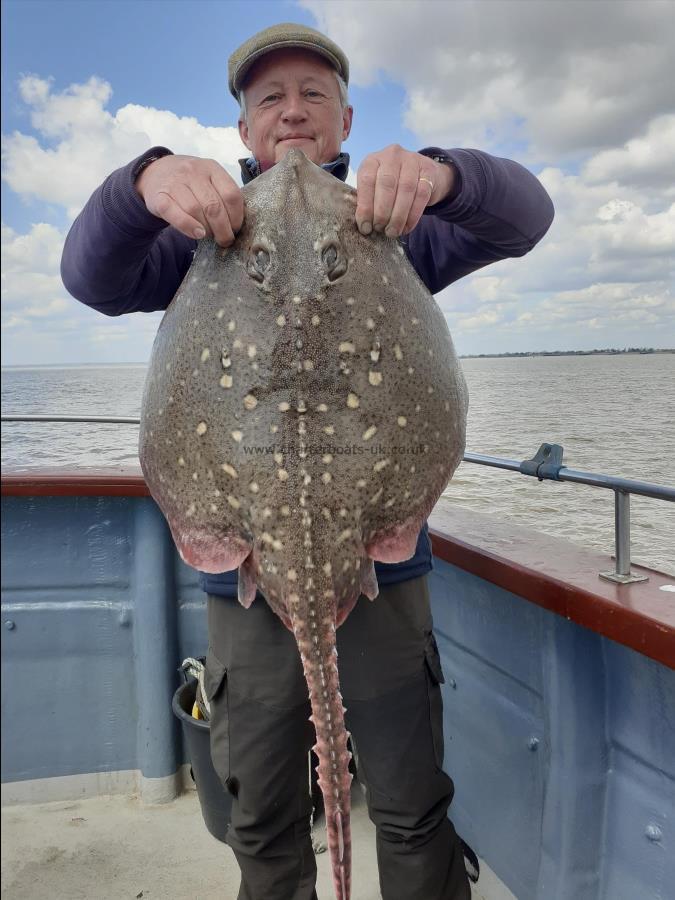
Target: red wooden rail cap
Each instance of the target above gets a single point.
(545, 570)
(58, 482)
(560, 576)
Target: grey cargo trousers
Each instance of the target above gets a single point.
(260, 737)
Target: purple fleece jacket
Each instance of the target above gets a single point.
(119, 258)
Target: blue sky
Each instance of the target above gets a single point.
(153, 52)
(88, 85)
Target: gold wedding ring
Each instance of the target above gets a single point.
(428, 181)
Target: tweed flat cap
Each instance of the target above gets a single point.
(279, 37)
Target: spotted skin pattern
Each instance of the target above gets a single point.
(304, 409)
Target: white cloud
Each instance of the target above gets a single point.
(624, 228)
(619, 304)
(606, 266)
(563, 78)
(39, 314)
(31, 284)
(645, 160)
(482, 319)
(488, 287)
(560, 320)
(584, 92)
(81, 142)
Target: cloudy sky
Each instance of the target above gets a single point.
(579, 92)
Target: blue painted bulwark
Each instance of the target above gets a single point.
(68, 691)
(101, 616)
(561, 743)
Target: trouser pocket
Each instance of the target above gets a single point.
(215, 688)
(434, 676)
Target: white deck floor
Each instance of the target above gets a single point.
(116, 848)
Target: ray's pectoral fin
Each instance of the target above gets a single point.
(247, 586)
(209, 550)
(369, 585)
(396, 544)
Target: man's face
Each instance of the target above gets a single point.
(293, 100)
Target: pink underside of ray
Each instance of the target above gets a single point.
(345, 606)
(397, 544)
(209, 551)
(247, 586)
(369, 585)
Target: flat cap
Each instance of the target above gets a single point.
(280, 37)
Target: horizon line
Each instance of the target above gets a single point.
(493, 355)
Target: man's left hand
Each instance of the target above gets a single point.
(393, 188)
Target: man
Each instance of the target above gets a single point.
(454, 212)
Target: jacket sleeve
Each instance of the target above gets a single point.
(500, 210)
(118, 257)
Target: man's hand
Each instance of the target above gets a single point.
(195, 195)
(394, 187)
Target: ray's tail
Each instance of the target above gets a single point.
(316, 642)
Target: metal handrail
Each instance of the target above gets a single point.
(627, 485)
(546, 464)
(113, 420)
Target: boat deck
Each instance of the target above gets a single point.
(116, 848)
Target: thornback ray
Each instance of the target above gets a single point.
(303, 411)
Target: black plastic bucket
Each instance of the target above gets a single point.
(215, 801)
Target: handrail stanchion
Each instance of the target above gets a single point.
(622, 573)
(622, 532)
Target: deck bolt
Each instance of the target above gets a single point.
(124, 619)
(533, 743)
(452, 683)
(9, 625)
(653, 833)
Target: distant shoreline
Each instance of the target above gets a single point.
(635, 351)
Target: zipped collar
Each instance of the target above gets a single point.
(250, 168)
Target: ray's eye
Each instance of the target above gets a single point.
(258, 263)
(334, 261)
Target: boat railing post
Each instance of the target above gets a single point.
(622, 532)
(156, 649)
(622, 573)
